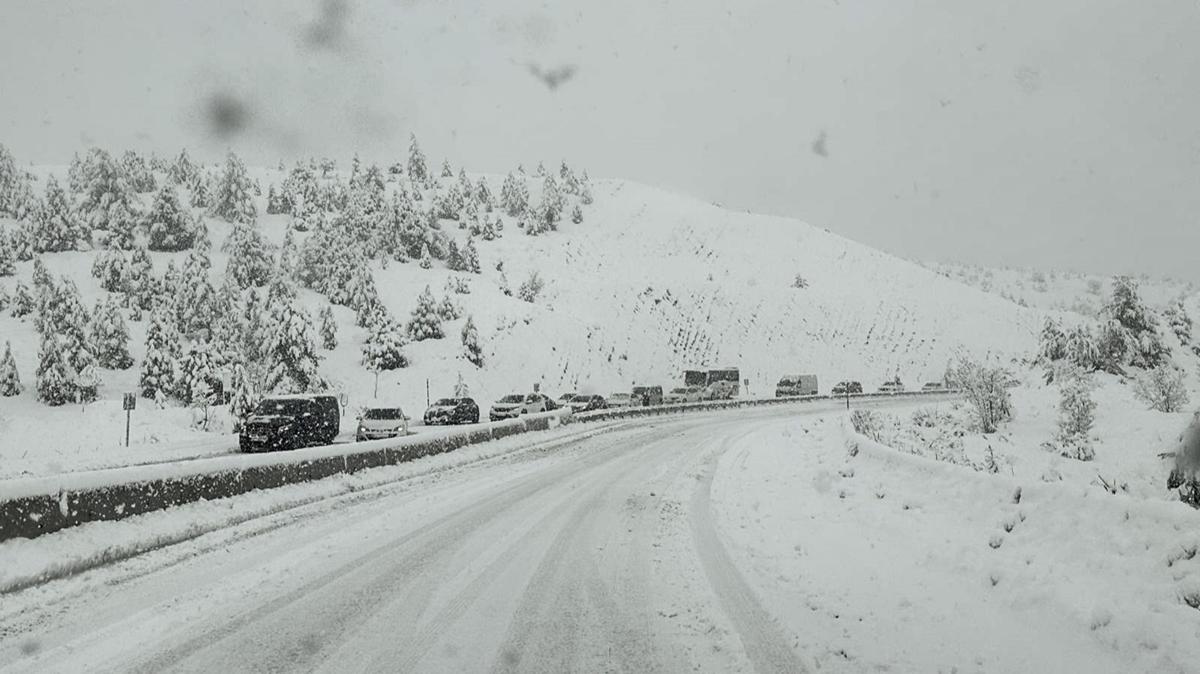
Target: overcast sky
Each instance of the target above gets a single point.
(1049, 133)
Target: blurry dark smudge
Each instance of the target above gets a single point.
(30, 647)
(328, 31)
(226, 114)
(552, 78)
(818, 145)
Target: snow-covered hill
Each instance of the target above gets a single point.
(649, 284)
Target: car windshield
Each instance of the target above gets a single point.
(383, 413)
(512, 399)
(581, 399)
(681, 390)
(446, 402)
(619, 395)
(283, 406)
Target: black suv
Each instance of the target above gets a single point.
(290, 422)
(452, 411)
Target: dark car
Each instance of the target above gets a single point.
(847, 387)
(587, 403)
(290, 422)
(452, 411)
(647, 395)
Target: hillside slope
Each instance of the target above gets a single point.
(650, 283)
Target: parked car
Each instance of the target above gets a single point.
(551, 403)
(647, 395)
(565, 399)
(290, 422)
(685, 394)
(452, 411)
(845, 387)
(618, 400)
(516, 404)
(587, 403)
(381, 422)
(796, 385)
(894, 386)
(934, 386)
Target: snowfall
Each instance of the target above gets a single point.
(774, 539)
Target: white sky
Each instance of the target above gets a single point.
(1053, 133)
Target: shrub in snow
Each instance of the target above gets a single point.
(1179, 321)
(384, 346)
(458, 286)
(10, 379)
(426, 260)
(577, 214)
(1186, 474)
(531, 288)
(1162, 388)
(249, 263)
(448, 310)
(1052, 343)
(233, 198)
(110, 268)
(328, 329)
(514, 195)
(447, 172)
(110, 336)
(799, 282)
(1076, 415)
(425, 322)
(470, 341)
(1144, 348)
(984, 389)
(868, 423)
(1082, 349)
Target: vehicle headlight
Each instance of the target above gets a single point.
(285, 428)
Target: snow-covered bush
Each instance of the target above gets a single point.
(868, 423)
(1162, 388)
(157, 378)
(250, 256)
(470, 341)
(531, 288)
(799, 282)
(233, 198)
(1077, 413)
(10, 379)
(984, 388)
(110, 336)
(168, 223)
(384, 346)
(425, 322)
(328, 329)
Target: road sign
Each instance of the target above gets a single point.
(130, 402)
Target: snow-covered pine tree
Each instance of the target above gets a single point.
(426, 260)
(531, 288)
(483, 194)
(1052, 344)
(514, 196)
(183, 171)
(384, 347)
(489, 230)
(1082, 350)
(106, 194)
(425, 323)
(201, 192)
(157, 377)
(454, 258)
(585, 190)
(447, 172)
(168, 223)
(195, 304)
(141, 179)
(577, 214)
(1179, 321)
(55, 228)
(22, 301)
(139, 281)
(110, 336)
(448, 310)
(417, 171)
(63, 324)
(1076, 416)
(363, 295)
(243, 396)
(470, 341)
(196, 372)
(541, 171)
(122, 227)
(55, 381)
(10, 379)
(289, 350)
(233, 199)
(16, 191)
(328, 329)
(249, 256)
(8, 256)
(471, 257)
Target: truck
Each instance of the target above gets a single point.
(796, 385)
(723, 383)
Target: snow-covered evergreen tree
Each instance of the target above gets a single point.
(425, 323)
(1162, 388)
(233, 198)
(195, 375)
(1076, 416)
(122, 226)
(183, 171)
(168, 223)
(531, 288)
(107, 195)
(1052, 344)
(448, 310)
(417, 170)
(1146, 350)
(1179, 321)
(16, 192)
(110, 336)
(55, 228)
(454, 258)
(1082, 350)
(8, 256)
(470, 341)
(585, 190)
(195, 302)
(426, 260)
(69, 373)
(55, 381)
(139, 282)
(447, 172)
(471, 257)
(22, 301)
(328, 329)
(243, 396)
(141, 179)
(10, 379)
(157, 377)
(249, 256)
(514, 195)
(201, 192)
(384, 347)
(289, 350)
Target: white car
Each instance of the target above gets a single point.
(514, 405)
(684, 394)
(619, 400)
(381, 422)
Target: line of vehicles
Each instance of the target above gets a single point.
(294, 421)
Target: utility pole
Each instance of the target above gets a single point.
(427, 391)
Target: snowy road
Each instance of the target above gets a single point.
(607, 554)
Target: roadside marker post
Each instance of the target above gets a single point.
(128, 404)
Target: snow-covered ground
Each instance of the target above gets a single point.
(732, 541)
(649, 284)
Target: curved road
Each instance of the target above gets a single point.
(601, 555)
